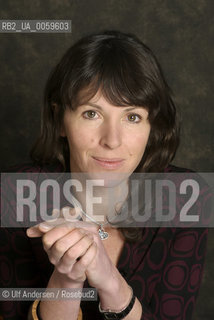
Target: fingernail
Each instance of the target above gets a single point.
(45, 226)
(30, 232)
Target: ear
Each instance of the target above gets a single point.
(55, 109)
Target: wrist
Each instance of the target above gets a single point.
(111, 284)
(115, 296)
(110, 314)
(59, 280)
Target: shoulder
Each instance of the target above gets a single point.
(180, 174)
(194, 195)
(173, 168)
(21, 190)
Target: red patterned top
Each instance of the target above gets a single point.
(164, 269)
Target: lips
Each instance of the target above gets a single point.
(108, 159)
(109, 163)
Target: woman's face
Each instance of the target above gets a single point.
(105, 138)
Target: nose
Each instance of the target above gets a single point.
(111, 135)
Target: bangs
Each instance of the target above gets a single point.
(111, 89)
(118, 74)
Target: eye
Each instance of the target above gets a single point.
(133, 117)
(90, 114)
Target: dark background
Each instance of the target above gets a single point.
(180, 32)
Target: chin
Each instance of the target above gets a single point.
(107, 179)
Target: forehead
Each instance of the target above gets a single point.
(100, 101)
(106, 91)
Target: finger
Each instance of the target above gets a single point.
(72, 254)
(80, 267)
(88, 257)
(55, 233)
(52, 223)
(34, 232)
(49, 224)
(39, 229)
(78, 270)
(58, 217)
(59, 248)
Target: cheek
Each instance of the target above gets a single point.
(138, 144)
(80, 139)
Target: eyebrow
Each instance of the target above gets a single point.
(100, 108)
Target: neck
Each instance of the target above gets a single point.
(98, 201)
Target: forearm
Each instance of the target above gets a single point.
(60, 309)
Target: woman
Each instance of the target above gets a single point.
(108, 110)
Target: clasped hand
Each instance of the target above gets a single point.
(76, 250)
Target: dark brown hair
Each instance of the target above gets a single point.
(127, 73)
